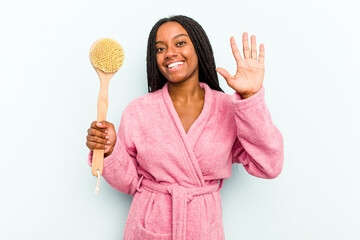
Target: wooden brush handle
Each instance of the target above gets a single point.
(102, 106)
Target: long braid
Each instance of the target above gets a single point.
(203, 49)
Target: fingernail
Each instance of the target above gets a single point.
(106, 137)
(105, 131)
(105, 146)
(99, 124)
(108, 142)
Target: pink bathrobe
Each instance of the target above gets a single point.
(175, 176)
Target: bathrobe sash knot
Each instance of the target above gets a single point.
(180, 196)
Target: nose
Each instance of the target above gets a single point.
(171, 52)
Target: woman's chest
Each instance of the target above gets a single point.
(188, 113)
(166, 145)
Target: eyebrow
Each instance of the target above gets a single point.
(177, 36)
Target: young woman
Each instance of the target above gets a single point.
(176, 144)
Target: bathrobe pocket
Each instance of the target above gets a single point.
(144, 234)
(151, 216)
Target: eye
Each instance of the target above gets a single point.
(180, 43)
(160, 49)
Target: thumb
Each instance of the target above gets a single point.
(224, 73)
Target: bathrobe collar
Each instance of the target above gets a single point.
(190, 138)
(197, 126)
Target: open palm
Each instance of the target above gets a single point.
(250, 70)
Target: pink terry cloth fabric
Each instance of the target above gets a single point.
(175, 176)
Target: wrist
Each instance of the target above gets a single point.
(246, 95)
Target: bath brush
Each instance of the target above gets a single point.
(106, 56)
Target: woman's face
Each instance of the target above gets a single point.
(176, 57)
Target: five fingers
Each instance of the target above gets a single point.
(248, 53)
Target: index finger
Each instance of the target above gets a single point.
(93, 125)
(235, 50)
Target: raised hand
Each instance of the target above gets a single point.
(250, 70)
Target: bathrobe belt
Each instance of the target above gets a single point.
(180, 196)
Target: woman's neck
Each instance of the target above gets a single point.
(186, 92)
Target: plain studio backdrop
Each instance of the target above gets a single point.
(49, 93)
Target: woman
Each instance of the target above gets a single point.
(176, 144)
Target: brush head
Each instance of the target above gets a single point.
(107, 55)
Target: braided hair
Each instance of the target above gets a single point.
(206, 61)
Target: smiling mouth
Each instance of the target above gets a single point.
(172, 65)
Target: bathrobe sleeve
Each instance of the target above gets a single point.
(259, 144)
(120, 167)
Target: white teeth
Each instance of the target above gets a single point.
(175, 64)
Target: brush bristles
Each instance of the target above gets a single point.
(107, 55)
